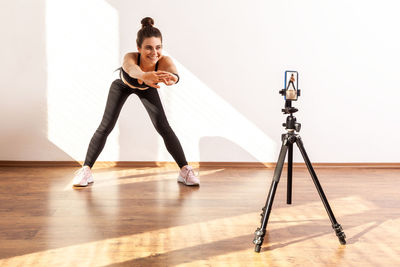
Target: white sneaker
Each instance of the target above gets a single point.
(187, 176)
(83, 177)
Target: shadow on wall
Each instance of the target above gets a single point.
(24, 122)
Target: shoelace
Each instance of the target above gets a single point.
(79, 171)
(190, 170)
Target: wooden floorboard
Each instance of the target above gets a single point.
(143, 217)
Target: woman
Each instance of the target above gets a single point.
(140, 73)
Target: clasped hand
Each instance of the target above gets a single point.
(151, 78)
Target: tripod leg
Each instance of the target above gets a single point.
(335, 225)
(289, 174)
(260, 232)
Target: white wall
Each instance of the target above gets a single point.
(58, 59)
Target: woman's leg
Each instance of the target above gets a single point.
(152, 103)
(117, 96)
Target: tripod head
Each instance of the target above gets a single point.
(291, 125)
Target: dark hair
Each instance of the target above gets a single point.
(147, 31)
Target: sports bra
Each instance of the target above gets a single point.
(132, 81)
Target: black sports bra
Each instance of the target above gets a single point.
(132, 81)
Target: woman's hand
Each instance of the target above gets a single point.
(151, 78)
(169, 78)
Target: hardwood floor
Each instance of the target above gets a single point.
(143, 217)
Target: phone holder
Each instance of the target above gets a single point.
(291, 92)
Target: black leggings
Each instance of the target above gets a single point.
(117, 96)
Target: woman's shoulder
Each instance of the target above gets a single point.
(131, 56)
(132, 53)
(165, 61)
(165, 58)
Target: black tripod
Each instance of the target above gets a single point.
(287, 144)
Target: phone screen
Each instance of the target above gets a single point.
(291, 85)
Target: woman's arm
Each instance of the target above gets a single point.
(167, 65)
(131, 67)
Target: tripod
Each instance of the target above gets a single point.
(287, 145)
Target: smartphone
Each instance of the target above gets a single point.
(291, 85)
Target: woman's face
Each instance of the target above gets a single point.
(151, 50)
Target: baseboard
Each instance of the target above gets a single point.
(141, 164)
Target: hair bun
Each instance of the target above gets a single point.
(147, 22)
